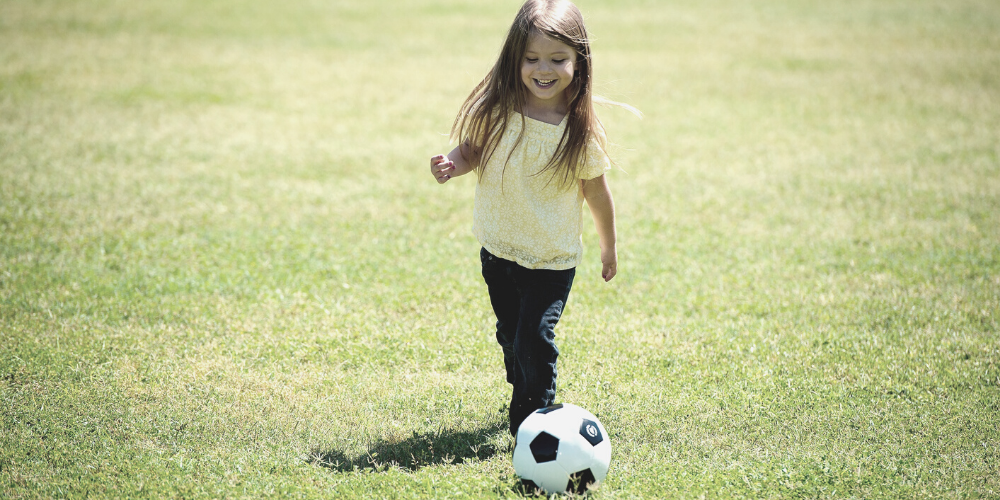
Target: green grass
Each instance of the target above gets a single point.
(225, 270)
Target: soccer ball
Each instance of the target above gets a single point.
(561, 448)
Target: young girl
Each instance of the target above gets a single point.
(530, 133)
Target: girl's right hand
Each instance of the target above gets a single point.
(442, 168)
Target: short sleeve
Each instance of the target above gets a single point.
(597, 162)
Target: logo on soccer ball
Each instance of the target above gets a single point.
(591, 430)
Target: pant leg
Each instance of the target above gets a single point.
(506, 300)
(543, 298)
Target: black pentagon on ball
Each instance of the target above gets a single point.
(579, 482)
(591, 432)
(549, 409)
(544, 447)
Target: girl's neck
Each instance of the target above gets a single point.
(551, 113)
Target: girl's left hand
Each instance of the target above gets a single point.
(609, 261)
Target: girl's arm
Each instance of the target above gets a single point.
(602, 207)
(454, 164)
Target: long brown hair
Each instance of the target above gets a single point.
(486, 112)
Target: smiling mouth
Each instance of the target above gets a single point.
(544, 83)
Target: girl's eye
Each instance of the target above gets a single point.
(531, 60)
(559, 61)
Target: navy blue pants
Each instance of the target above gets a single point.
(528, 303)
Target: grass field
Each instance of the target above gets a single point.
(225, 270)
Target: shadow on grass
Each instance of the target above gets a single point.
(443, 446)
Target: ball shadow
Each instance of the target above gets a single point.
(442, 446)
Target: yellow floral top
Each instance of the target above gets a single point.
(527, 217)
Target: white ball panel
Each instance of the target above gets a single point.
(562, 424)
(534, 424)
(524, 462)
(551, 477)
(602, 459)
(575, 453)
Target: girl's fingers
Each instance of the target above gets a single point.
(444, 167)
(437, 161)
(441, 169)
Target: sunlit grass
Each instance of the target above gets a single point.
(224, 270)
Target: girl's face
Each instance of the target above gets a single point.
(547, 70)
